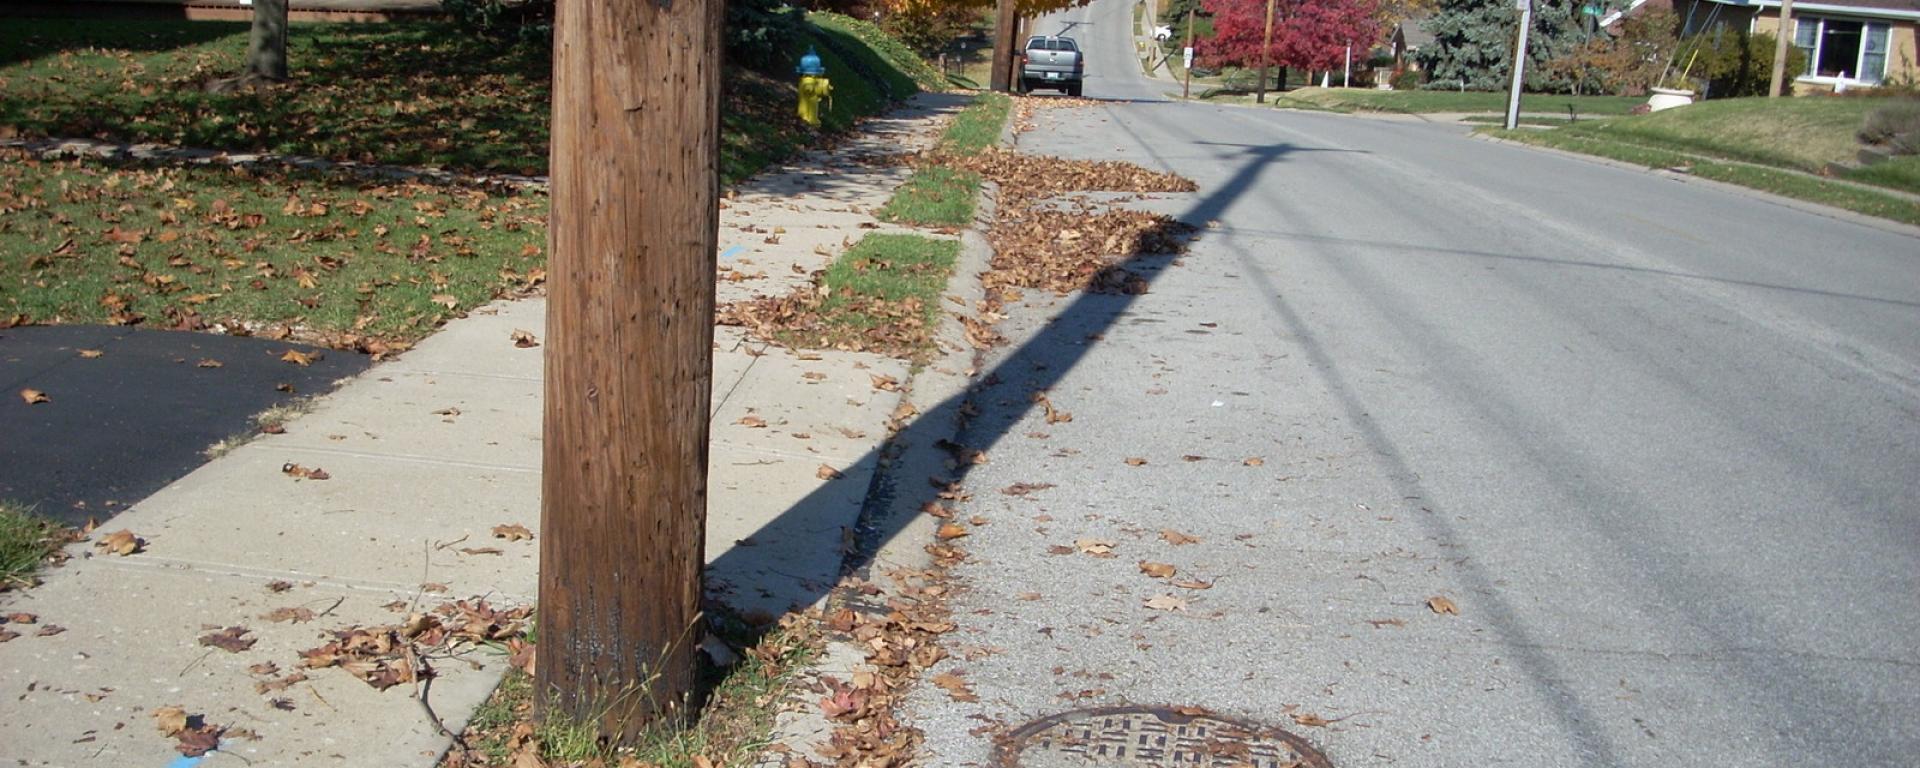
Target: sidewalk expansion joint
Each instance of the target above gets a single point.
(411, 458)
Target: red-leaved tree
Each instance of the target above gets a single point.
(1308, 34)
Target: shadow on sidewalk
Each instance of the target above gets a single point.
(1037, 364)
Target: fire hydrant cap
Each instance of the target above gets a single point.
(810, 63)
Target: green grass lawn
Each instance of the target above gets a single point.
(1805, 134)
(1368, 100)
(888, 280)
(938, 196)
(1784, 183)
(415, 93)
(90, 242)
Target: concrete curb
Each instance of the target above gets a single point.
(897, 492)
(1803, 206)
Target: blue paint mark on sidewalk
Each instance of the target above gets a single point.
(185, 762)
(732, 251)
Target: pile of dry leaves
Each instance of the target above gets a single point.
(388, 655)
(1043, 237)
(900, 637)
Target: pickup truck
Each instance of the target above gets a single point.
(1052, 62)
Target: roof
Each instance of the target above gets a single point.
(1414, 32)
(1886, 9)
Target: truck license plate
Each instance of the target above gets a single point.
(1053, 75)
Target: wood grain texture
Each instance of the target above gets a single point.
(1001, 75)
(635, 188)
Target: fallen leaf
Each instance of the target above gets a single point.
(1156, 570)
(513, 532)
(1166, 603)
(231, 639)
(1022, 489)
(1191, 457)
(279, 586)
(481, 551)
(297, 357)
(827, 473)
(1095, 547)
(121, 542)
(34, 396)
(884, 383)
(1253, 461)
(1442, 605)
(209, 363)
(752, 422)
(523, 339)
(170, 720)
(1136, 462)
(50, 630)
(955, 686)
(22, 618)
(1310, 720)
(1177, 538)
(951, 531)
(90, 354)
(445, 299)
(1191, 584)
(296, 471)
(291, 614)
(198, 740)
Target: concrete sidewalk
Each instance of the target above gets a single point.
(425, 455)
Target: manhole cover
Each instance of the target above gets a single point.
(1152, 736)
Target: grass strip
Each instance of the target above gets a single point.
(742, 702)
(888, 286)
(25, 544)
(1784, 183)
(1424, 101)
(938, 196)
(934, 196)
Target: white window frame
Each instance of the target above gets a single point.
(1819, 39)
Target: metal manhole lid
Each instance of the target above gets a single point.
(1130, 737)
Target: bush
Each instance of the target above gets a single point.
(1405, 79)
(928, 30)
(513, 21)
(1894, 127)
(1736, 64)
(757, 32)
(1628, 64)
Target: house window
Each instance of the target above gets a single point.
(1839, 48)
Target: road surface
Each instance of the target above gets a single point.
(1659, 442)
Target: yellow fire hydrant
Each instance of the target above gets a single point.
(814, 87)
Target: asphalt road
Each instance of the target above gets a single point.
(137, 414)
(1658, 441)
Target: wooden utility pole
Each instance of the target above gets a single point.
(1782, 38)
(1186, 58)
(1005, 19)
(1266, 54)
(629, 357)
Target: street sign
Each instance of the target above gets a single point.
(1187, 59)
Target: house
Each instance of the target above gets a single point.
(1848, 43)
(1408, 36)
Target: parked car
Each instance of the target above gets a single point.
(1052, 62)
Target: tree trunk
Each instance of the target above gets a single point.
(267, 43)
(635, 218)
